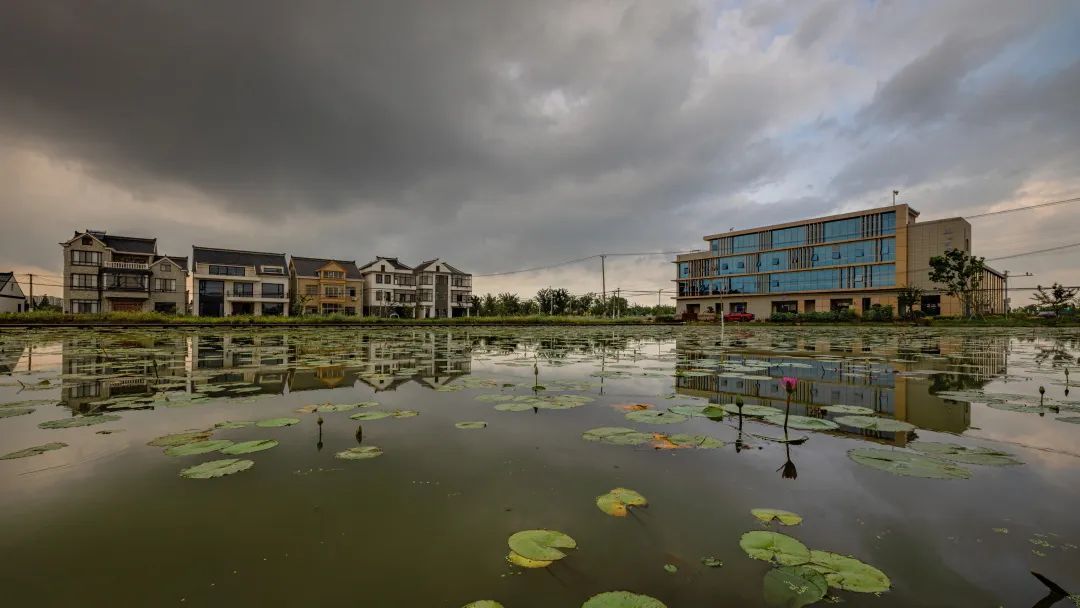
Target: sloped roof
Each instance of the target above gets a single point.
(423, 266)
(232, 257)
(4, 278)
(180, 261)
(130, 244)
(307, 267)
(393, 262)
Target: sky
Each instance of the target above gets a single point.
(504, 135)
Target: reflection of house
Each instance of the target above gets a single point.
(327, 286)
(106, 273)
(229, 282)
(10, 354)
(12, 298)
(93, 376)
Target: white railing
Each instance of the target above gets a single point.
(127, 265)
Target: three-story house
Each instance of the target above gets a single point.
(111, 273)
(229, 282)
(323, 286)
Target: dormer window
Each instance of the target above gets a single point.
(87, 240)
(166, 267)
(271, 270)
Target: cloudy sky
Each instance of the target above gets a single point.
(502, 135)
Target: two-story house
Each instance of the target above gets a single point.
(389, 287)
(111, 273)
(229, 282)
(442, 290)
(323, 286)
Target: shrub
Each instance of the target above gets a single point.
(878, 312)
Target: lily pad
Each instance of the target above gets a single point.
(404, 413)
(786, 518)
(336, 407)
(198, 447)
(622, 599)
(804, 423)
(794, 587)
(774, 547)
(848, 573)
(370, 415)
(166, 441)
(67, 423)
(964, 454)
(525, 562)
(542, 545)
(234, 424)
(655, 417)
(276, 422)
(876, 423)
(217, 468)
(711, 562)
(752, 410)
(34, 451)
(247, 447)
(701, 442)
(909, 464)
(479, 424)
(360, 453)
(848, 409)
(671, 568)
(483, 604)
(689, 410)
(11, 412)
(617, 435)
(618, 501)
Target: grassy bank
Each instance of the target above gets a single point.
(157, 319)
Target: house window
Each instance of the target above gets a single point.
(352, 292)
(333, 292)
(272, 270)
(87, 241)
(273, 309)
(84, 281)
(378, 296)
(232, 271)
(166, 267)
(273, 290)
(84, 306)
(378, 278)
(164, 284)
(244, 290)
(333, 274)
(311, 290)
(350, 310)
(85, 258)
(331, 309)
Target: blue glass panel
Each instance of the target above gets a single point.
(883, 275)
(888, 222)
(684, 270)
(745, 243)
(888, 250)
(789, 237)
(839, 230)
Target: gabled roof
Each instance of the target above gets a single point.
(4, 278)
(232, 257)
(307, 267)
(122, 244)
(392, 261)
(423, 266)
(180, 261)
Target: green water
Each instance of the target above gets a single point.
(109, 521)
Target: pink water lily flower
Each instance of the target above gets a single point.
(789, 383)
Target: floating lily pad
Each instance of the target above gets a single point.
(495, 397)
(198, 447)
(67, 423)
(34, 451)
(483, 604)
(479, 424)
(166, 441)
(234, 424)
(247, 447)
(276, 422)
(370, 415)
(908, 464)
(786, 518)
(622, 599)
(542, 545)
(964, 454)
(876, 423)
(848, 409)
(217, 468)
(711, 562)
(617, 435)
(617, 501)
(11, 412)
(794, 587)
(671, 568)
(690, 410)
(360, 453)
(774, 547)
(404, 413)
(336, 407)
(848, 573)
(655, 417)
(803, 423)
(525, 562)
(752, 410)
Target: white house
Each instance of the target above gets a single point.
(442, 290)
(229, 282)
(389, 287)
(12, 298)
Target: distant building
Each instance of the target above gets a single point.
(326, 286)
(12, 298)
(389, 287)
(111, 273)
(442, 290)
(851, 261)
(229, 282)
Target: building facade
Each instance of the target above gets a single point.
(850, 261)
(12, 298)
(442, 290)
(111, 273)
(323, 286)
(229, 282)
(389, 288)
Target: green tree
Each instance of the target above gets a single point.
(490, 306)
(554, 301)
(1057, 298)
(907, 298)
(507, 304)
(474, 305)
(961, 275)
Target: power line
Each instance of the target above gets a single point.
(1027, 208)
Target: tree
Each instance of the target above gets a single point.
(299, 303)
(1057, 298)
(907, 298)
(554, 301)
(961, 275)
(474, 305)
(582, 305)
(490, 306)
(507, 304)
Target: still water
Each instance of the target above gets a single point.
(105, 519)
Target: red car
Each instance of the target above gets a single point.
(738, 316)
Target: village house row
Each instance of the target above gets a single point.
(110, 273)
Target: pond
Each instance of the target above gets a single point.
(539, 466)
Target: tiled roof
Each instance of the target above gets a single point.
(307, 267)
(231, 257)
(392, 261)
(423, 266)
(130, 244)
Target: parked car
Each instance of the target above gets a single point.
(1046, 314)
(738, 316)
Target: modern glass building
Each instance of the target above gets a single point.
(848, 261)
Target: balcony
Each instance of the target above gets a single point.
(255, 294)
(126, 266)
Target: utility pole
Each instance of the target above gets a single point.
(658, 300)
(32, 305)
(615, 302)
(603, 281)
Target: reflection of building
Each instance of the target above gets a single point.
(95, 375)
(252, 359)
(327, 286)
(903, 389)
(10, 354)
(851, 261)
